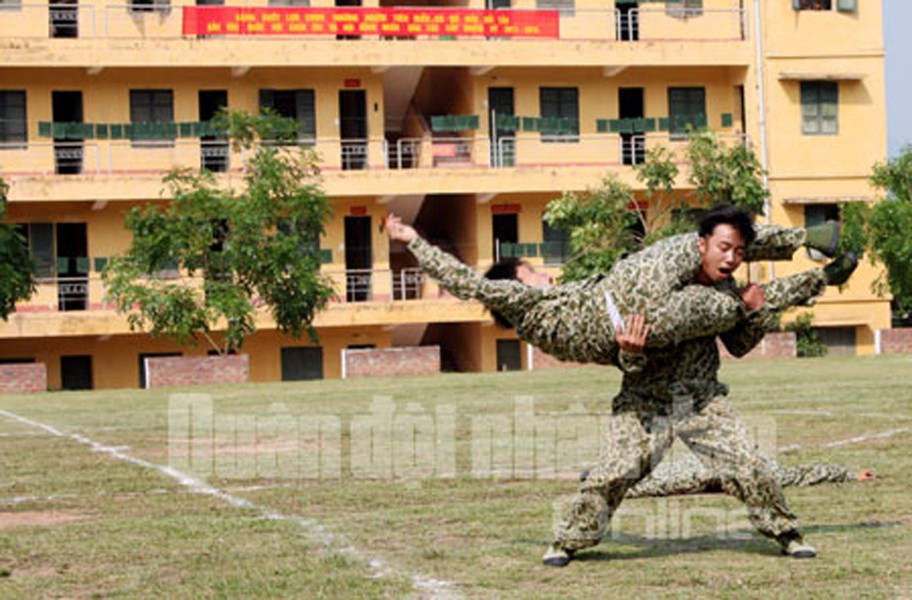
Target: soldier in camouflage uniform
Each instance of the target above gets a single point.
(687, 475)
(571, 322)
(680, 396)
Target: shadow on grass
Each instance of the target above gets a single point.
(741, 541)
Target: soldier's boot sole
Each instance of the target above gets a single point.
(557, 557)
(799, 549)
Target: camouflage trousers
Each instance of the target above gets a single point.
(637, 441)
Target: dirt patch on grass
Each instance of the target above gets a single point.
(39, 518)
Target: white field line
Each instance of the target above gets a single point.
(886, 416)
(434, 587)
(58, 497)
(864, 438)
(812, 413)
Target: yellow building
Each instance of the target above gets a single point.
(99, 100)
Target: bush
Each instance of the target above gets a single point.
(807, 338)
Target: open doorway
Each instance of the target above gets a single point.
(213, 149)
(353, 128)
(358, 259)
(72, 266)
(633, 142)
(66, 109)
(504, 230)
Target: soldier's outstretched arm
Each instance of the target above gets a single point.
(510, 298)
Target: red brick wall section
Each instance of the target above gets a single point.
(182, 371)
(21, 378)
(896, 340)
(778, 344)
(382, 362)
(542, 360)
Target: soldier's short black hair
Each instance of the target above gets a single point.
(720, 214)
(505, 268)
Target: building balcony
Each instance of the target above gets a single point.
(76, 306)
(98, 36)
(113, 170)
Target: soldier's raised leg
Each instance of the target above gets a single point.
(774, 242)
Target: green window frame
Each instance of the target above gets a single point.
(567, 8)
(296, 104)
(151, 116)
(684, 9)
(819, 108)
(555, 247)
(560, 104)
(13, 122)
(686, 109)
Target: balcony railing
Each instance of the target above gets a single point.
(157, 157)
(718, 20)
(87, 292)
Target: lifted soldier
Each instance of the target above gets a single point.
(576, 321)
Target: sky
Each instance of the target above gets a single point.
(898, 43)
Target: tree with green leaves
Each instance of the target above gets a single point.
(212, 256)
(17, 270)
(887, 225)
(605, 222)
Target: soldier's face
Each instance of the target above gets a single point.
(722, 253)
(528, 275)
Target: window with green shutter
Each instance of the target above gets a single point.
(846, 5)
(40, 238)
(819, 108)
(148, 108)
(555, 248)
(294, 104)
(567, 8)
(686, 110)
(684, 9)
(561, 106)
(13, 127)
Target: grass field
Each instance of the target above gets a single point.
(422, 487)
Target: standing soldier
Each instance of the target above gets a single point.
(679, 395)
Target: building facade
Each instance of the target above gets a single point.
(464, 118)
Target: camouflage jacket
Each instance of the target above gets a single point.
(687, 475)
(687, 373)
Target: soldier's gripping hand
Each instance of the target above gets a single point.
(753, 297)
(397, 230)
(632, 339)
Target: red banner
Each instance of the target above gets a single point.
(230, 20)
